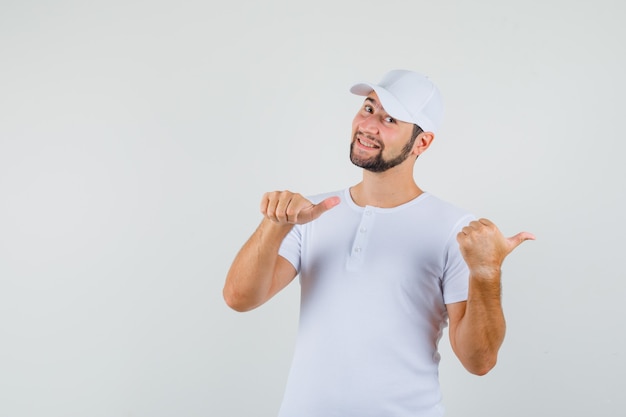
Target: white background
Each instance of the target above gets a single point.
(137, 137)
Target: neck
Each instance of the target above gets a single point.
(385, 189)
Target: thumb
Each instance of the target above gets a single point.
(324, 205)
(518, 239)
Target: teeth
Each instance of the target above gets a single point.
(366, 144)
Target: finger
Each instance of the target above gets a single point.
(270, 211)
(330, 202)
(296, 206)
(267, 205)
(264, 202)
(486, 222)
(518, 239)
(282, 204)
(323, 206)
(476, 225)
(313, 211)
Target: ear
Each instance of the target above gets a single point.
(422, 142)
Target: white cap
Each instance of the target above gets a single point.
(407, 96)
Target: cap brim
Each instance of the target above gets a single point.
(391, 105)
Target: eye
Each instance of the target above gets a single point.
(390, 119)
(367, 108)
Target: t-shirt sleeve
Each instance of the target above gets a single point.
(291, 247)
(455, 282)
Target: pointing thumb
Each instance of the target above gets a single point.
(324, 205)
(518, 239)
(329, 203)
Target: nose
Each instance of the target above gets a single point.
(368, 124)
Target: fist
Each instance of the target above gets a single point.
(483, 246)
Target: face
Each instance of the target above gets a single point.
(379, 142)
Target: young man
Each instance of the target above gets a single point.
(383, 266)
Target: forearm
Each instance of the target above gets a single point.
(251, 277)
(480, 333)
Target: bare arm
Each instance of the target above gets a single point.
(258, 272)
(477, 326)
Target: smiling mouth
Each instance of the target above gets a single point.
(367, 144)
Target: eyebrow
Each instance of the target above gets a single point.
(374, 102)
(379, 106)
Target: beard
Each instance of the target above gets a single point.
(378, 163)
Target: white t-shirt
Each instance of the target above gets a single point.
(374, 284)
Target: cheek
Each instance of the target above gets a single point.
(355, 125)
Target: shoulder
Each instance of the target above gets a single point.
(316, 198)
(440, 220)
(444, 210)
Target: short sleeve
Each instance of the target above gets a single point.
(291, 247)
(455, 281)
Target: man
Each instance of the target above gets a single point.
(383, 267)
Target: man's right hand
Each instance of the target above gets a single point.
(285, 207)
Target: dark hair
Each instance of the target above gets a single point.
(416, 131)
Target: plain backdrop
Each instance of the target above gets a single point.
(137, 138)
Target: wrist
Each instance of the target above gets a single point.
(485, 272)
(271, 228)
